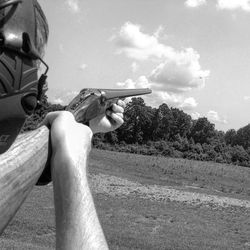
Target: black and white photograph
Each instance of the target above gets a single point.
(124, 125)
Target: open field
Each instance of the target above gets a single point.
(150, 203)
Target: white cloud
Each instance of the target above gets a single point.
(58, 101)
(222, 4)
(194, 3)
(195, 115)
(179, 71)
(61, 48)
(134, 67)
(189, 103)
(234, 4)
(135, 44)
(158, 32)
(173, 100)
(83, 66)
(246, 98)
(62, 96)
(180, 75)
(73, 5)
(141, 82)
(132, 42)
(158, 96)
(213, 116)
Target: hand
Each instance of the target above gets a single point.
(111, 120)
(68, 137)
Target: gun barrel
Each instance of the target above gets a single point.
(109, 94)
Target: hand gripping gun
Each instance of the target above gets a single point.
(87, 105)
(90, 103)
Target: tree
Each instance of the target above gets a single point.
(239, 155)
(137, 122)
(163, 120)
(111, 137)
(230, 137)
(148, 124)
(202, 130)
(243, 137)
(181, 123)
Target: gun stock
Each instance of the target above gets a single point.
(21, 166)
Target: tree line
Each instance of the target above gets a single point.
(169, 131)
(165, 131)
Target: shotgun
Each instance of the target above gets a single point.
(24, 162)
(93, 102)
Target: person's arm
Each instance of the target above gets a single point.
(77, 224)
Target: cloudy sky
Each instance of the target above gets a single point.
(193, 54)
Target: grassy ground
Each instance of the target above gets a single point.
(132, 221)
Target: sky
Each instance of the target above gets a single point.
(193, 54)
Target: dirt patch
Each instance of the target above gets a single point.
(115, 186)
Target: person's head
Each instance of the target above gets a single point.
(23, 37)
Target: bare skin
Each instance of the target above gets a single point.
(77, 224)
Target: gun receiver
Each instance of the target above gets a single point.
(90, 103)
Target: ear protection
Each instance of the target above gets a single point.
(23, 34)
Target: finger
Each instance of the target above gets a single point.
(117, 119)
(109, 112)
(121, 103)
(120, 114)
(117, 109)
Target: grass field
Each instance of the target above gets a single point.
(149, 203)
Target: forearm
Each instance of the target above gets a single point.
(77, 224)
